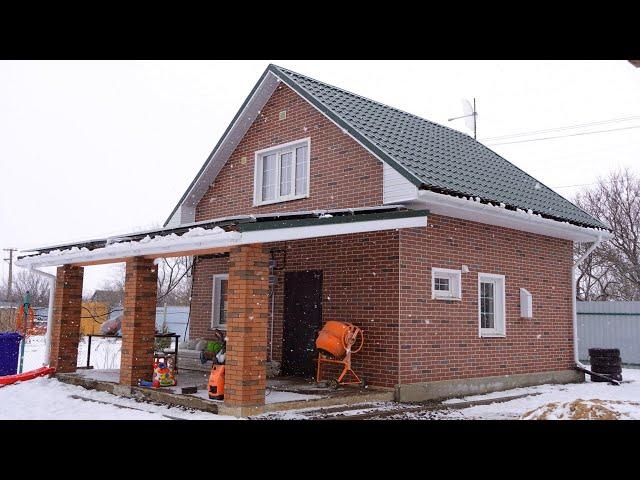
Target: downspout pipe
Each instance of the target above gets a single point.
(52, 290)
(595, 244)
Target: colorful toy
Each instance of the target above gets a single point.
(163, 375)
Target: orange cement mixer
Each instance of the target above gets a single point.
(336, 342)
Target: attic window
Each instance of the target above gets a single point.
(282, 173)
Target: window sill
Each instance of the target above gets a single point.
(218, 327)
(493, 335)
(280, 200)
(458, 299)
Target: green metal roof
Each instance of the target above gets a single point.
(432, 156)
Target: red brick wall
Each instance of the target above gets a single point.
(138, 321)
(245, 378)
(360, 285)
(67, 310)
(369, 278)
(439, 339)
(201, 291)
(343, 173)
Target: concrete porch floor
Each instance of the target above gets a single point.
(282, 393)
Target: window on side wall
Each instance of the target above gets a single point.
(282, 173)
(491, 305)
(219, 301)
(446, 284)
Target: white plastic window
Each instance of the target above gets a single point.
(491, 305)
(282, 173)
(446, 284)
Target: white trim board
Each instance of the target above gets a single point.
(440, 204)
(225, 240)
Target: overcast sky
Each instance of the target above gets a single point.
(92, 148)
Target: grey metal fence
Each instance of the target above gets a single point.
(609, 325)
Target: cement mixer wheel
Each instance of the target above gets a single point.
(333, 384)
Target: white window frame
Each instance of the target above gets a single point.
(278, 151)
(455, 284)
(215, 301)
(500, 310)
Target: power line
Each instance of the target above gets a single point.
(563, 136)
(577, 185)
(568, 127)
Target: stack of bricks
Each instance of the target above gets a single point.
(247, 313)
(139, 320)
(67, 310)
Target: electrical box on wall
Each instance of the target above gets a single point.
(526, 304)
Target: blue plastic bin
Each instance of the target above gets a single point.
(9, 351)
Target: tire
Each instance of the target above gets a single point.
(604, 352)
(606, 362)
(606, 368)
(608, 371)
(615, 376)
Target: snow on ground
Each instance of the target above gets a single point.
(48, 399)
(105, 352)
(45, 398)
(587, 400)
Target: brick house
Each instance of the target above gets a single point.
(318, 204)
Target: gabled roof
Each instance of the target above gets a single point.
(431, 156)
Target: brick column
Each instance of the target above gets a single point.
(67, 309)
(138, 321)
(247, 319)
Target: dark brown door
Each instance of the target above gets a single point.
(302, 322)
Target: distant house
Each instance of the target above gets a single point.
(111, 297)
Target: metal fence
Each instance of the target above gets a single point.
(609, 325)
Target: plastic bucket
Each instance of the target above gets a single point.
(9, 351)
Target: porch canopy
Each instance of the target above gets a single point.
(242, 238)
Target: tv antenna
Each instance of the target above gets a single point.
(470, 116)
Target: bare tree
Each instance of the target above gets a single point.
(174, 281)
(174, 284)
(612, 272)
(26, 281)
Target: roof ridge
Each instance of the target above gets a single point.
(285, 70)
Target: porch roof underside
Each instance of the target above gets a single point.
(220, 235)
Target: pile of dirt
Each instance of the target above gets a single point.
(578, 410)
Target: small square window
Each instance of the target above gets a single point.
(446, 284)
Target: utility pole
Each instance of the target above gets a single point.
(10, 250)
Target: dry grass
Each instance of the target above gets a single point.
(578, 410)
(7, 320)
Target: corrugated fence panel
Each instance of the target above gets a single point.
(609, 325)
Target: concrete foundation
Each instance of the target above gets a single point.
(420, 392)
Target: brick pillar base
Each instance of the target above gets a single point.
(138, 321)
(247, 319)
(67, 310)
